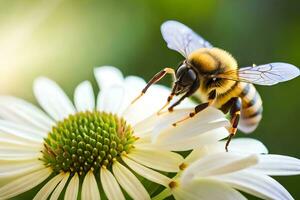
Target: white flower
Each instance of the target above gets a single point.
(215, 174)
(96, 143)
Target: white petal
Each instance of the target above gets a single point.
(159, 122)
(111, 99)
(244, 145)
(110, 185)
(157, 159)
(90, 189)
(52, 98)
(108, 76)
(135, 83)
(187, 103)
(258, 185)
(6, 142)
(133, 86)
(22, 112)
(12, 168)
(147, 105)
(20, 132)
(217, 164)
(129, 182)
(206, 189)
(239, 145)
(146, 126)
(147, 173)
(56, 193)
(24, 183)
(204, 121)
(18, 155)
(277, 165)
(47, 189)
(84, 97)
(196, 154)
(210, 137)
(72, 189)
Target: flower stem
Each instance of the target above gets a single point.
(164, 194)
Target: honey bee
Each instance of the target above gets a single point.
(213, 75)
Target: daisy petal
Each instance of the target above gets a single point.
(206, 190)
(245, 145)
(133, 86)
(277, 165)
(196, 154)
(146, 126)
(134, 83)
(111, 99)
(52, 98)
(210, 137)
(216, 164)
(18, 155)
(6, 142)
(147, 173)
(159, 122)
(72, 189)
(84, 97)
(157, 159)
(150, 103)
(204, 121)
(110, 185)
(12, 168)
(258, 185)
(20, 132)
(47, 189)
(22, 112)
(240, 146)
(24, 183)
(129, 182)
(56, 193)
(108, 76)
(89, 187)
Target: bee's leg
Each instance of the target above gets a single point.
(170, 97)
(235, 113)
(170, 109)
(190, 92)
(154, 80)
(211, 97)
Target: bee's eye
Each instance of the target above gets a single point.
(181, 70)
(188, 77)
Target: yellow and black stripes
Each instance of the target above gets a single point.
(251, 104)
(251, 112)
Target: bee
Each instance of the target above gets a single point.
(213, 75)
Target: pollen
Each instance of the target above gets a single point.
(87, 141)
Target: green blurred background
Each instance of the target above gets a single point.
(65, 40)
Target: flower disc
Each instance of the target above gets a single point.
(87, 140)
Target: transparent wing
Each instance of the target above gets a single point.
(181, 38)
(267, 74)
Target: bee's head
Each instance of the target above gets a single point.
(186, 80)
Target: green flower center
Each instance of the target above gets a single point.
(86, 141)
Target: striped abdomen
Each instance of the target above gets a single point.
(251, 112)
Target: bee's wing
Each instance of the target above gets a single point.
(181, 38)
(267, 74)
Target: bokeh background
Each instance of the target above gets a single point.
(65, 40)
